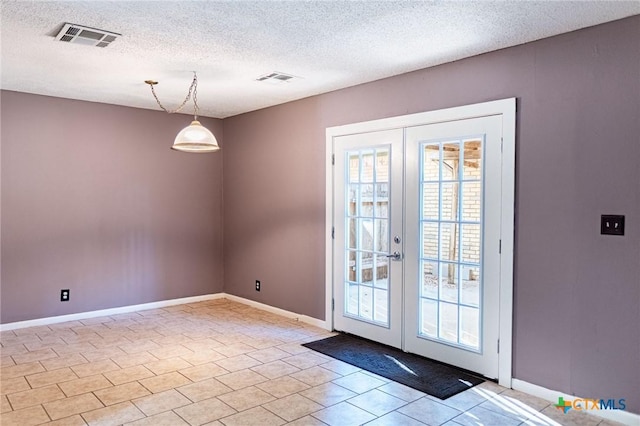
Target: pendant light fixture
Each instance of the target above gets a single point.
(195, 137)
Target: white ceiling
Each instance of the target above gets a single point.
(328, 44)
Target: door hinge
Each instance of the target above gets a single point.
(498, 345)
(333, 159)
(333, 232)
(501, 144)
(500, 246)
(333, 305)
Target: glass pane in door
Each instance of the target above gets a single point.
(450, 215)
(368, 241)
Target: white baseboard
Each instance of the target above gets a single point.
(162, 304)
(288, 314)
(620, 416)
(107, 312)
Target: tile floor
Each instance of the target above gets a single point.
(222, 363)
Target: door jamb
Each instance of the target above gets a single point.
(504, 107)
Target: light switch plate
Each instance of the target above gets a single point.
(611, 224)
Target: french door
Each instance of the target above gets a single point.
(418, 223)
(453, 242)
(368, 192)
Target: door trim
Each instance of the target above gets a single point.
(504, 107)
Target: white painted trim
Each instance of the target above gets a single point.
(107, 312)
(328, 264)
(624, 417)
(507, 224)
(504, 107)
(287, 314)
(421, 118)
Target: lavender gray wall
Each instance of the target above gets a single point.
(577, 293)
(94, 200)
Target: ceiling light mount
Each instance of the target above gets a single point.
(195, 137)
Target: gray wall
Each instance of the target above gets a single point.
(94, 200)
(577, 293)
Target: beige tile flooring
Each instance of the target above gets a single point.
(222, 363)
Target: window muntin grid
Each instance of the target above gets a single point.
(368, 239)
(451, 185)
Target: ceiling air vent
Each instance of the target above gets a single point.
(276, 78)
(72, 33)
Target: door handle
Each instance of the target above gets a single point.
(396, 255)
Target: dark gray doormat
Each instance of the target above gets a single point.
(426, 375)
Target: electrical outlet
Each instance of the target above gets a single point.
(257, 285)
(64, 295)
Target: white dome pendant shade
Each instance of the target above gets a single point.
(195, 138)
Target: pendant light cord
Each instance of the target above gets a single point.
(193, 90)
(194, 85)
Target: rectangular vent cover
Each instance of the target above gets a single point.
(276, 78)
(72, 33)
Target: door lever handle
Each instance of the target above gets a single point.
(396, 255)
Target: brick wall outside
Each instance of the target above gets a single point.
(364, 178)
(469, 192)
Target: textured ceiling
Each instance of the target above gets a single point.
(328, 44)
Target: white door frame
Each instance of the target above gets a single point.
(504, 107)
